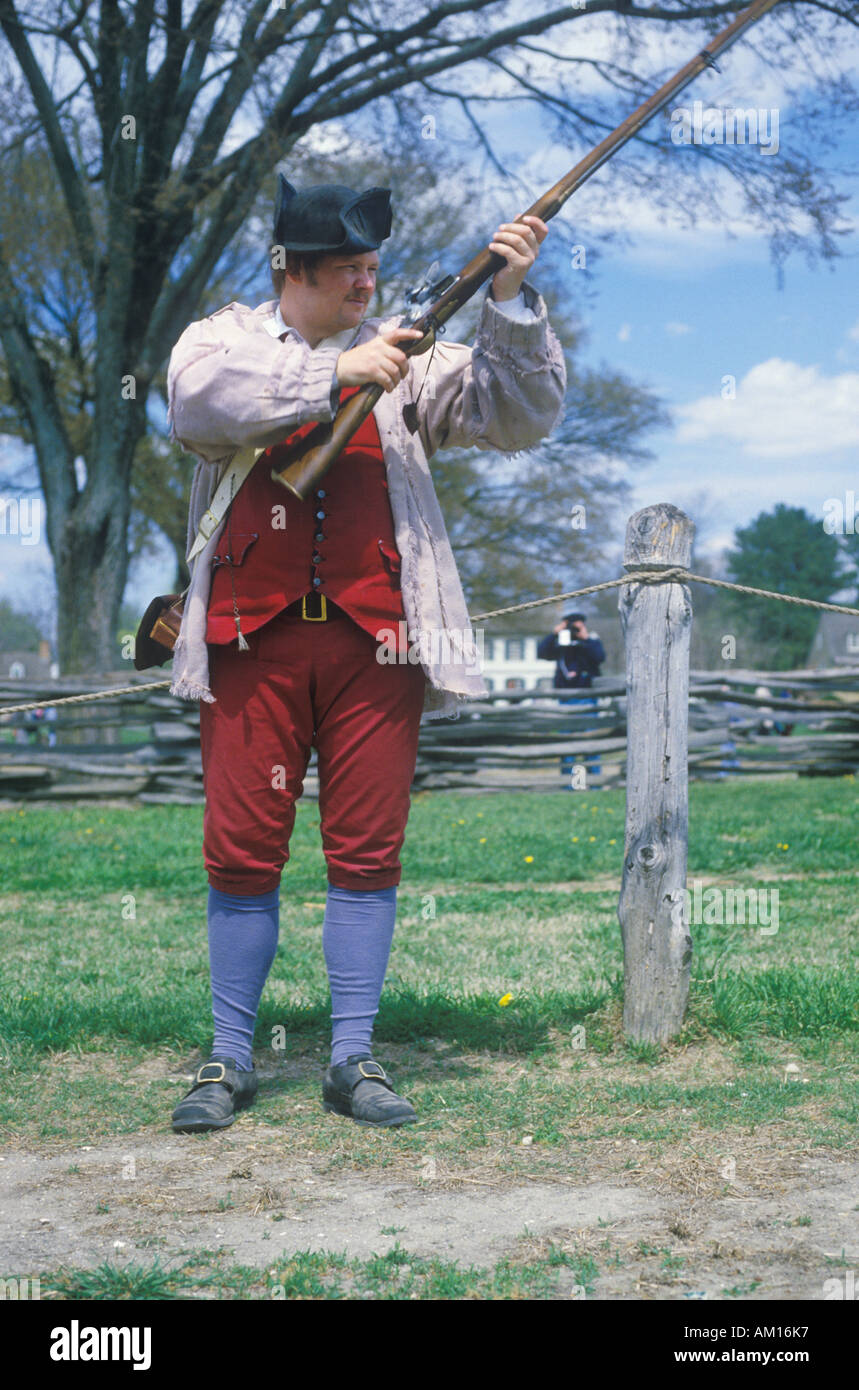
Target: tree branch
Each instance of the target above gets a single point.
(109, 45)
(73, 193)
(139, 36)
(256, 155)
(32, 384)
(852, 18)
(244, 69)
(199, 35)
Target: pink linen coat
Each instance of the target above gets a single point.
(232, 383)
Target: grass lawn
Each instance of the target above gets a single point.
(104, 974)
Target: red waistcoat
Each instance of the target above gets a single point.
(339, 542)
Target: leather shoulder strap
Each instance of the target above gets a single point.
(237, 470)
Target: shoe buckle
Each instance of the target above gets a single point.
(372, 1075)
(201, 1078)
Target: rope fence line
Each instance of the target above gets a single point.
(668, 575)
(84, 699)
(662, 575)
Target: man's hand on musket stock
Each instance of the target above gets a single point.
(518, 242)
(379, 361)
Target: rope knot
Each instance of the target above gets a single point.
(658, 574)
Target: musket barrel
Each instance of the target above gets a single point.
(594, 160)
(318, 450)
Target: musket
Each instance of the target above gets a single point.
(311, 457)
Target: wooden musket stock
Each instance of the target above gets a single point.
(313, 455)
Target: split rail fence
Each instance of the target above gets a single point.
(147, 746)
(740, 722)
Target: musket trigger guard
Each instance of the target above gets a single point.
(709, 60)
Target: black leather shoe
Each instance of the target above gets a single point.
(219, 1090)
(361, 1089)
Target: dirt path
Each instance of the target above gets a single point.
(247, 1191)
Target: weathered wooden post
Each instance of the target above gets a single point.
(657, 622)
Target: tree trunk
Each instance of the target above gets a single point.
(91, 570)
(88, 535)
(657, 619)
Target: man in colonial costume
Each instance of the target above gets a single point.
(294, 606)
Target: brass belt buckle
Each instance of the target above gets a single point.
(323, 617)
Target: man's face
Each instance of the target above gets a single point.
(337, 296)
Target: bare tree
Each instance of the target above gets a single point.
(162, 122)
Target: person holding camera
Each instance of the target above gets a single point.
(578, 658)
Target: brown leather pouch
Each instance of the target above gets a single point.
(158, 630)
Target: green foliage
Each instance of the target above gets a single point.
(138, 1282)
(788, 552)
(849, 543)
(509, 519)
(788, 1003)
(394, 1275)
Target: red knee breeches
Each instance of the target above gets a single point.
(302, 684)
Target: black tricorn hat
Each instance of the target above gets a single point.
(330, 217)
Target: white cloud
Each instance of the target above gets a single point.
(781, 410)
(853, 333)
(677, 329)
(624, 333)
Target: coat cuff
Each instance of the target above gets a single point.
(513, 335)
(515, 309)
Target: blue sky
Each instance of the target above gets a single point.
(682, 323)
(680, 308)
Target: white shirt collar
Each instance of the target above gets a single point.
(275, 326)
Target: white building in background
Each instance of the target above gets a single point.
(29, 666)
(836, 642)
(510, 663)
